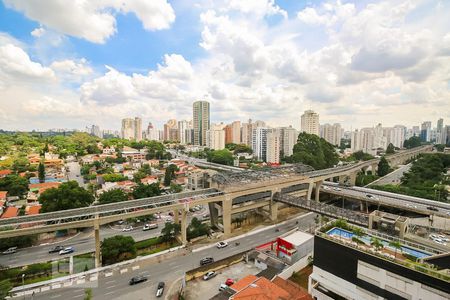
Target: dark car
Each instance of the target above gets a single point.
(206, 260)
(138, 279)
(432, 208)
(160, 289)
(56, 249)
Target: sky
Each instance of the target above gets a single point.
(70, 64)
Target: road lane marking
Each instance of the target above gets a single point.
(135, 268)
(123, 271)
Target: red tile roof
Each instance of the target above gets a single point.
(243, 282)
(44, 185)
(33, 210)
(10, 212)
(3, 194)
(5, 172)
(296, 291)
(262, 289)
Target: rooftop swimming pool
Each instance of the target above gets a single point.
(34, 180)
(366, 239)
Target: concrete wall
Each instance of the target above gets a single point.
(303, 262)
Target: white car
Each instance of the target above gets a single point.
(337, 189)
(128, 228)
(209, 275)
(221, 245)
(149, 226)
(67, 250)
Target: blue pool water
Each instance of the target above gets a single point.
(34, 180)
(366, 239)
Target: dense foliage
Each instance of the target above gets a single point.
(170, 174)
(223, 157)
(5, 287)
(146, 190)
(18, 241)
(117, 248)
(383, 167)
(360, 155)
(170, 231)
(67, 196)
(412, 142)
(390, 149)
(314, 151)
(14, 184)
(112, 196)
(239, 148)
(196, 229)
(425, 178)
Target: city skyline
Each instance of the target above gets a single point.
(267, 60)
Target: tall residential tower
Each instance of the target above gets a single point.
(201, 122)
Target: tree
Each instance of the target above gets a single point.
(170, 231)
(5, 287)
(15, 185)
(396, 245)
(223, 157)
(117, 248)
(67, 196)
(87, 294)
(112, 196)
(114, 177)
(146, 190)
(358, 232)
(175, 188)
(412, 142)
(314, 151)
(18, 241)
(360, 155)
(383, 167)
(440, 147)
(196, 229)
(170, 174)
(390, 149)
(376, 243)
(21, 164)
(41, 172)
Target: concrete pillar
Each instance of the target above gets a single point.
(353, 178)
(183, 226)
(361, 206)
(176, 219)
(318, 185)
(342, 179)
(213, 214)
(226, 215)
(98, 254)
(310, 189)
(71, 264)
(374, 168)
(273, 210)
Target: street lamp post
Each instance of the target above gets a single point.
(23, 284)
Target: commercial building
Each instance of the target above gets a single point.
(215, 137)
(310, 122)
(295, 246)
(201, 120)
(366, 266)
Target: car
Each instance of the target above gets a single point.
(10, 250)
(56, 249)
(326, 188)
(337, 189)
(138, 279)
(120, 222)
(206, 260)
(209, 275)
(369, 196)
(160, 289)
(432, 208)
(222, 287)
(229, 282)
(150, 226)
(221, 245)
(128, 228)
(66, 250)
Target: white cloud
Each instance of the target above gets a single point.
(71, 70)
(38, 32)
(93, 20)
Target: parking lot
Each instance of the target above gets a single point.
(200, 289)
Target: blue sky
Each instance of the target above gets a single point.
(259, 59)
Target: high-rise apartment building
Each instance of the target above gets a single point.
(259, 142)
(441, 132)
(288, 137)
(425, 131)
(363, 140)
(95, 131)
(440, 125)
(228, 134)
(246, 133)
(215, 137)
(138, 129)
(310, 122)
(398, 136)
(201, 121)
(152, 133)
(184, 132)
(331, 133)
(273, 146)
(128, 129)
(236, 132)
(169, 129)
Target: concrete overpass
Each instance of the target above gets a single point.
(252, 190)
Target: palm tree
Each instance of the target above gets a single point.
(396, 245)
(375, 242)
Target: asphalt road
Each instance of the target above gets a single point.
(393, 177)
(75, 172)
(83, 243)
(116, 285)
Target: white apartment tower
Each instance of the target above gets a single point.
(259, 142)
(310, 122)
(127, 129)
(273, 146)
(236, 132)
(201, 120)
(289, 137)
(331, 133)
(184, 132)
(138, 129)
(215, 137)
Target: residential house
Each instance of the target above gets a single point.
(32, 210)
(10, 212)
(3, 195)
(4, 173)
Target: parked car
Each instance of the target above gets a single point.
(222, 287)
(206, 260)
(56, 249)
(209, 275)
(120, 222)
(10, 250)
(369, 196)
(138, 279)
(160, 289)
(229, 282)
(337, 189)
(221, 245)
(150, 226)
(128, 228)
(66, 250)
